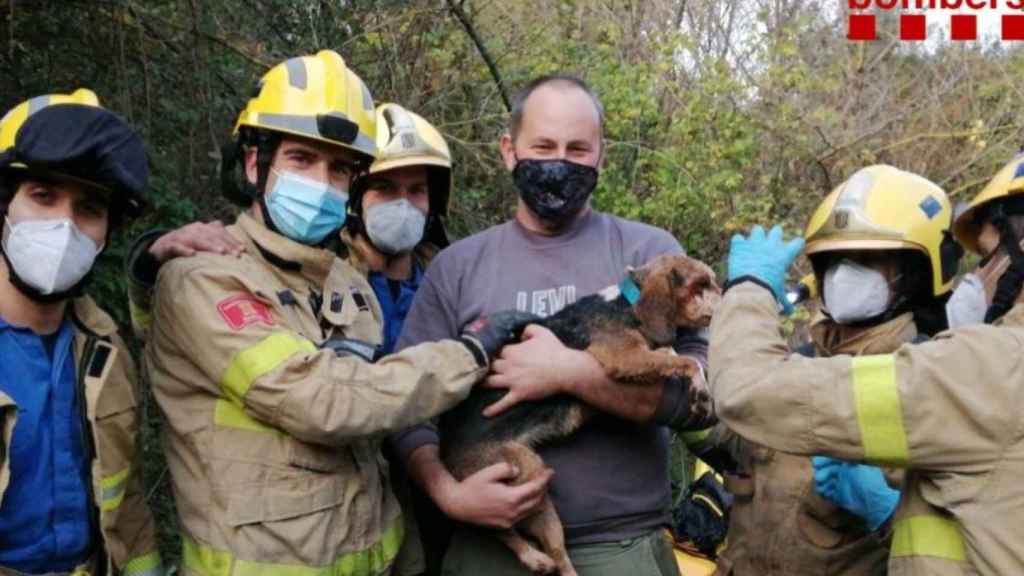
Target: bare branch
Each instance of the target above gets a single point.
(460, 14)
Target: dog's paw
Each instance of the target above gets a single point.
(702, 409)
(538, 562)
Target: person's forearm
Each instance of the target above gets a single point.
(427, 470)
(631, 401)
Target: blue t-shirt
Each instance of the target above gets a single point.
(45, 512)
(394, 303)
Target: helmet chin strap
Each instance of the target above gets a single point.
(1009, 285)
(35, 295)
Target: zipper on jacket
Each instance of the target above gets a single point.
(89, 446)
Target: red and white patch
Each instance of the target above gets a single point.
(242, 310)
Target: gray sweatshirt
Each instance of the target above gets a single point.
(611, 478)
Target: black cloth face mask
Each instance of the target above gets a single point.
(555, 190)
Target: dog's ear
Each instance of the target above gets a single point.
(656, 308)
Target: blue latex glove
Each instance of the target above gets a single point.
(857, 488)
(766, 258)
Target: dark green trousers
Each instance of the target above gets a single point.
(478, 552)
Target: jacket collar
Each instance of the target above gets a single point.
(1015, 317)
(831, 339)
(91, 318)
(312, 263)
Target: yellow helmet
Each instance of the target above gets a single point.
(404, 138)
(316, 97)
(1009, 181)
(884, 208)
(15, 117)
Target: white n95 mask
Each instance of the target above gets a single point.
(395, 227)
(854, 292)
(49, 255)
(968, 303)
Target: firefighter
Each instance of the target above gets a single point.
(884, 275)
(71, 173)
(266, 365)
(947, 411)
(395, 223)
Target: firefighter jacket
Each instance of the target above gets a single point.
(779, 524)
(948, 411)
(106, 378)
(262, 365)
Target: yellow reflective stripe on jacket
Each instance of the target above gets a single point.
(928, 536)
(694, 436)
(230, 415)
(113, 490)
(257, 360)
(369, 562)
(879, 414)
(148, 565)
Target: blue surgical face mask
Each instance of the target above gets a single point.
(305, 210)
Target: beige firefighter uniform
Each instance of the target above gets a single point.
(356, 251)
(779, 524)
(273, 437)
(108, 377)
(947, 410)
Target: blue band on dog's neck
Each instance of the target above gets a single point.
(630, 291)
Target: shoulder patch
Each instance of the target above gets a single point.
(359, 299)
(241, 310)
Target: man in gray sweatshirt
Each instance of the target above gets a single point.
(611, 479)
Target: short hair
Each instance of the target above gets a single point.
(519, 100)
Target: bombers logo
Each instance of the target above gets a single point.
(914, 26)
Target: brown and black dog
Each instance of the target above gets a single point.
(622, 327)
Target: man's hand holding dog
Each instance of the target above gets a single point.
(541, 366)
(538, 367)
(485, 498)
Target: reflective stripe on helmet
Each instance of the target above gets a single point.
(296, 73)
(928, 536)
(38, 103)
(313, 128)
(879, 414)
(259, 359)
(201, 559)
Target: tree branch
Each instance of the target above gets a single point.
(460, 14)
